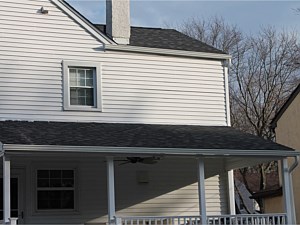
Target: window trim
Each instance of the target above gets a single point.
(97, 86)
(36, 189)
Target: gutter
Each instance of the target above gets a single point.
(16, 148)
(160, 51)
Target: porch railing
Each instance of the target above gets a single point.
(247, 219)
(159, 220)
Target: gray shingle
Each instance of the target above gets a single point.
(165, 39)
(131, 135)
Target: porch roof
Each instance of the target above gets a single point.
(153, 139)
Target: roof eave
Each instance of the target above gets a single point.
(161, 51)
(11, 148)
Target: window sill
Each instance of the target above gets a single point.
(82, 108)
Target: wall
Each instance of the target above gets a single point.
(136, 88)
(273, 205)
(288, 133)
(171, 189)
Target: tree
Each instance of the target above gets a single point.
(263, 75)
(265, 69)
(215, 32)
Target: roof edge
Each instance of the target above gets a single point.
(285, 106)
(74, 14)
(160, 51)
(151, 151)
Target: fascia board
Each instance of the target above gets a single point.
(160, 51)
(10, 148)
(79, 19)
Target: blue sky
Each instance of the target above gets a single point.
(248, 15)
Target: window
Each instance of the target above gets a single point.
(55, 190)
(82, 86)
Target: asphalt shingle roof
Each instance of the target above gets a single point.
(131, 135)
(165, 39)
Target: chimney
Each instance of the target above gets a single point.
(118, 20)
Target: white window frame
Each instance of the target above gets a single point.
(75, 188)
(97, 86)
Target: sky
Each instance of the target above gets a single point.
(250, 16)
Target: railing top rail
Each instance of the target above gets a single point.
(155, 217)
(249, 215)
(197, 216)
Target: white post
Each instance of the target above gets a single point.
(231, 194)
(111, 190)
(6, 189)
(201, 190)
(287, 192)
(13, 221)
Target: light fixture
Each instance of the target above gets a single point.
(44, 11)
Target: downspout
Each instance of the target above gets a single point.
(291, 169)
(289, 190)
(295, 164)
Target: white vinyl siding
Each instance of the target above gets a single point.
(171, 190)
(136, 88)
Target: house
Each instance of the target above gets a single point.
(287, 129)
(117, 125)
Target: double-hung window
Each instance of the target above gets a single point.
(82, 83)
(55, 189)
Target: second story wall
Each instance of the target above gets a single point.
(134, 88)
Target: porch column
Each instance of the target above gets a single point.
(231, 194)
(289, 205)
(6, 189)
(111, 190)
(201, 190)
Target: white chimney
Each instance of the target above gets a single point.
(118, 20)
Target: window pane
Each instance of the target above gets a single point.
(89, 96)
(55, 174)
(82, 86)
(67, 199)
(67, 174)
(55, 183)
(55, 199)
(73, 77)
(43, 174)
(67, 183)
(82, 96)
(43, 183)
(90, 82)
(81, 74)
(74, 96)
(89, 74)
